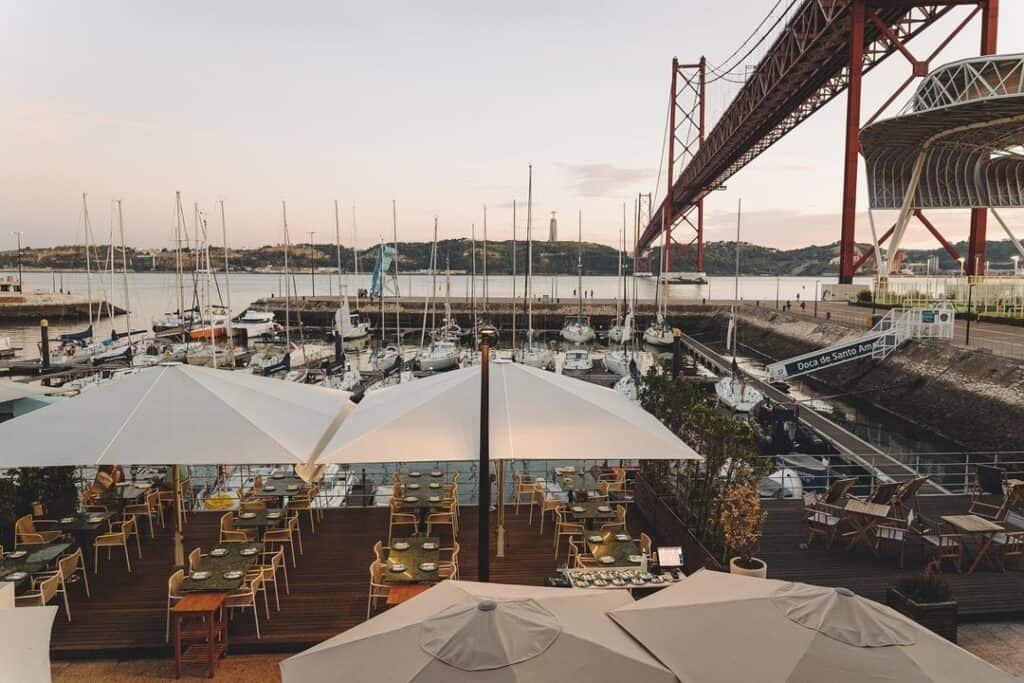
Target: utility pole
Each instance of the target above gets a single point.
(17, 233)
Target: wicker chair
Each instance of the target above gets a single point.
(26, 532)
(117, 539)
(288, 535)
(194, 558)
(67, 567)
(174, 594)
(245, 598)
(378, 589)
(399, 520)
(565, 528)
(45, 590)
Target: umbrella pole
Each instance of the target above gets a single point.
(179, 541)
(501, 508)
(484, 499)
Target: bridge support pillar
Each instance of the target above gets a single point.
(851, 153)
(975, 264)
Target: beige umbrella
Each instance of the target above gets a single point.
(716, 627)
(464, 631)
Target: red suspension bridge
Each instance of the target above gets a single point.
(824, 48)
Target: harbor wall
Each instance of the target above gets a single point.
(967, 396)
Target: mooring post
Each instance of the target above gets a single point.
(676, 351)
(44, 347)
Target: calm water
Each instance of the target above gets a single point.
(151, 295)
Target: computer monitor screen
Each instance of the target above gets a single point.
(670, 556)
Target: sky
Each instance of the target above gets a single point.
(440, 107)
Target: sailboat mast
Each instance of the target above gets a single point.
(227, 282)
(209, 291)
(485, 261)
(529, 257)
(736, 281)
(88, 267)
(124, 275)
(179, 275)
(337, 248)
(579, 269)
(380, 265)
(433, 281)
(472, 280)
(433, 287)
(355, 254)
(398, 295)
(514, 249)
(287, 290)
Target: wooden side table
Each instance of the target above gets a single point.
(200, 630)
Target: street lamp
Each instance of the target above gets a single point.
(17, 233)
(816, 297)
(486, 333)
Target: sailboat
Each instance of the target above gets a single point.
(616, 333)
(578, 330)
(346, 323)
(733, 391)
(659, 332)
(532, 354)
(439, 354)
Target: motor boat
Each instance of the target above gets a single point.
(349, 324)
(384, 359)
(782, 484)
(257, 324)
(578, 330)
(535, 356)
(813, 471)
(735, 393)
(438, 355)
(659, 332)
(577, 360)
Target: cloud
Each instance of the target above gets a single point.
(604, 180)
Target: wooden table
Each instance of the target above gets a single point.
(422, 496)
(590, 513)
(233, 560)
(612, 545)
(260, 519)
(401, 592)
(412, 557)
(199, 627)
(864, 517)
(973, 525)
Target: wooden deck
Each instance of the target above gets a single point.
(985, 595)
(125, 615)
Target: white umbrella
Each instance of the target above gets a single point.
(180, 414)
(25, 643)
(463, 631)
(533, 415)
(715, 627)
(12, 391)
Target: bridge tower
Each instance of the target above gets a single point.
(864, 15)
(685, 138)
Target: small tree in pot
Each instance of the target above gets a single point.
(927, 599)
(741, 520)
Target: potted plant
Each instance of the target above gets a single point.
(741, 520)
(927, 599)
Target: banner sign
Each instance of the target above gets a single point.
(835, 355)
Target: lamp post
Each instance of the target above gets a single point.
(17, 233)
(970, 299)
(487, 334)
(816, 297)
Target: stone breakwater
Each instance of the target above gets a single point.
(970, 397)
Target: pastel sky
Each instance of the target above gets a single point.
(440, 106)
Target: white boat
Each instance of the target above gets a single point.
(7, 349)
(577, 360)
(348, 323)
(684, 278)
(384, 359)
(616, 332)
(617, 361)
(659, 332)
(578, 331)
(737, 395)
(627, 387)
(257, 324)
(782, 484)
(346, 381)
(207, 355)
(438, 355)
(536, 356)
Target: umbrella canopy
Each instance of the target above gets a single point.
(533, 415)
(465, 631)
(789, 632)
(12, 391)
(177, 414)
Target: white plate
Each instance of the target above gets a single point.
(415, 474)
(16, 576)
(437, 473)
(246, 552)
(636, 559)
(434, 499)
(398, 568)
(413, 487)
(218, 552)
(429, 545)
(293, 487)
(623, 537)
(17, 554)
(273, 515)
(199, 576)
(434, 485)
(96, 518)
(277, 475)
(401, 545)
(428, 566)
(232, 575)
(411, 499)
(606, 559)
(603, 508)
(578, 508)
(596, 538)
(269, 488)
(247, 515)
(144, 485)
(67, 520)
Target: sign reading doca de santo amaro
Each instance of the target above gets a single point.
(831, 356)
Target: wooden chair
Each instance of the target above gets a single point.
(150, 510)
(194, 559)
(447, 517)
(821, 519)
(524, 488)
(304, 503)
(380, 551)
(285, 536)
(894, 531)
(400, 520)
(546, 504)
(228, 532)
(1009, 497)
(245, 598)
(116, 539)
(620, 521)
(1009, 543)
(836, 494)
(45, 590)
(67, 567)
(883, 494)
(26, 532)
(378, 589)
(906, 496)
(937, 545)
(646, 547)
(174, 594)
(448, 568)
(564, 528)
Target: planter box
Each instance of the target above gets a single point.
(939, 617)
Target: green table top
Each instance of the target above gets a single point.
(422, 496)
(85, 522)
(43, 553)
(287, 485)
(422, 475)
(590, 510)
(412, 558)
(260, 518)
(233, 561)
(612, 546)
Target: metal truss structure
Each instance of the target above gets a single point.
(825, 49)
